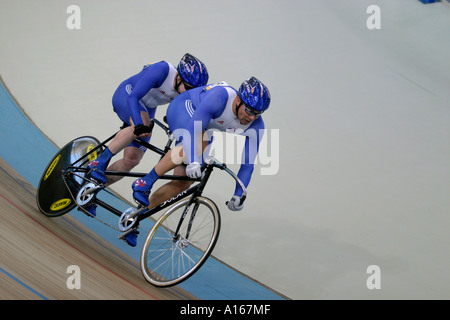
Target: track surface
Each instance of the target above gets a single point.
(37, 251)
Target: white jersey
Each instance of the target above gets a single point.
(227, 121)
(163, 94)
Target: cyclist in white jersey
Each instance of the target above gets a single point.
(135, 102)
(189, 115)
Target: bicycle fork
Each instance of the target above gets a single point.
(177, 234)
(207, 171)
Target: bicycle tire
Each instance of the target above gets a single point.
(53, 197)
(160, 245)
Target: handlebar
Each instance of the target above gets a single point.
(210, 160)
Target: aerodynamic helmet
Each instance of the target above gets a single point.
(255, 94)
(193, 71)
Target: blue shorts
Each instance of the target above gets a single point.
(120, 106)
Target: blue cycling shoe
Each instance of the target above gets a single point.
(92, 209)
(141, 192)
(96, 172)
(131, 238)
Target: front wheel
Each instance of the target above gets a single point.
(180, 242)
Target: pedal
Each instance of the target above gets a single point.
(128, 218)
(87, 193)
(123, 234)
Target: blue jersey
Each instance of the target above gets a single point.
(211, 107)
(152, 86)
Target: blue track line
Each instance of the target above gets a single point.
(24, 284)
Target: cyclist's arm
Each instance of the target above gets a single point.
(253, 137)
(210, 107)
(154, 77)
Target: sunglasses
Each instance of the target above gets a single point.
(252, 112)
(187, 86)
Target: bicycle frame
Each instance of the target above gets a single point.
(143, 213)
(197, 189)
(193, 191)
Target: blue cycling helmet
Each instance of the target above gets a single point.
(255, 94)
(193, 71)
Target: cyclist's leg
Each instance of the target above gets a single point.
(171, 188)
(141, 187)
(178, 117)
(171, 160)
(123, 138)
(132, 156)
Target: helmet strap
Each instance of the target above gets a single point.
(177, 83)
(238, 106)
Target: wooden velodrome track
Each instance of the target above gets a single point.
(36, 252)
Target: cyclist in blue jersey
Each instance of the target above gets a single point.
(135, 102)
(216, 106)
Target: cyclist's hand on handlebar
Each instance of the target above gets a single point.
(235, 204)
(194, 170)
(142, 131)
